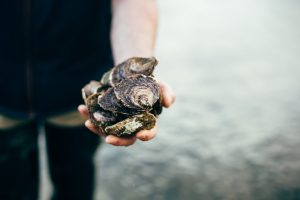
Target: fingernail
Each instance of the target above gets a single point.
(80, 106)
(108, 139)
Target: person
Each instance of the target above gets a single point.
(48, 50)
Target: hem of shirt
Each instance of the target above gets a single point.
(23, 115)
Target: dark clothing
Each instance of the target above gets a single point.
(70, 153)
(48, 50)
(19, 174)
(71, 161)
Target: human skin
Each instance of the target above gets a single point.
(133, 32)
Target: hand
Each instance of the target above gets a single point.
(168, 98)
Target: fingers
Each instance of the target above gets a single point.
(110, 139)
(117, 141)
(168, 96)
(145, 135)
(83, 110)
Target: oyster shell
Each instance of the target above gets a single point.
(110, 102)
(98, 115)
(138, 92)
(157, 108)
(145, 121)
(91, 88)
(131, 66)
(127, 98)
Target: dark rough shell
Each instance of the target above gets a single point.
(108, 101)
(105, 80)
(138, 92)
(103, 118)
(128, 68)
(143, 66)
(98, 116)
(127, 98)
(90, 89)
(157, 108)
(132, 125)
(91, 102)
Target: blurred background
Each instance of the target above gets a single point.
(233, 132)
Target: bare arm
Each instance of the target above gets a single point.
(134, 26)
(133, 33)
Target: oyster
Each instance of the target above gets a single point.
(132, 124)
(138, 92)
(91, 88)
(98, 115)
(131, 66)
(126, 100)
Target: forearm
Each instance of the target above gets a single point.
(133, 31)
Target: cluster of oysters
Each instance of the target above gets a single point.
(127, 98)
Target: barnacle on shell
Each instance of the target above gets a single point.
(126, 100)
(132, 125)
